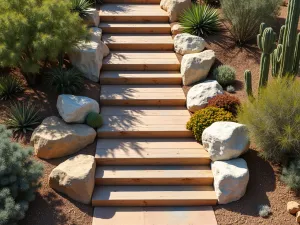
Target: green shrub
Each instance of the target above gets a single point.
(245, 16)
(81, 6)
(226, 102)
(94, 120)
(291, 175)
(10, 86)
(200, 20)
(273, 119)
(225, 75)
(22, 116)
(19, 179)
(65, 81)
(32, 31)
(206, 117)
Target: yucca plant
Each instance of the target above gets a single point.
(22, 117)
(81, 6)
(65, 81)
(9, 87)
(200, 20)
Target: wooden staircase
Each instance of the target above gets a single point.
(147, 161)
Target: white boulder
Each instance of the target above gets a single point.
(175, 8)
(195, 67)
(74, 109)
(54, 138)
(75, 177)
(92, 18)
(186, 44)
(198, 95)
(230, 179)
(176, 28)
(225, 140)
(87, 57)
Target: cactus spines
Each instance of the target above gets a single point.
(276, 57)
(248, 82)
(297, 56)
(282, 29)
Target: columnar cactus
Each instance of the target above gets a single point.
(248, 82)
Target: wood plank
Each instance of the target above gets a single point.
(132, 1)
(140, 77)
(153, 196)
(135, 28)
(154, 175)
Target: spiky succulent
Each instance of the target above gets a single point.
(10, 86)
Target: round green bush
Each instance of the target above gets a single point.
(206, 117)
(225, 75)
(94, 120)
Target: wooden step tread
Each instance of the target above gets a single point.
(140, 77)
(153, 196)
(139, 42)
(142, 95)
(154, 175)
(132, 1)
(132, 12)
(140, 28)
(141, 60)
(192, 215)
(177, 151)
(142, 122)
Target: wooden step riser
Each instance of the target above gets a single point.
(145, 134)
(141, 80)
(141, 67)
(145, 102)
(140, 47)
(144, 202)
(131, 1)
(137, 19)
(154, 181)
(136, 30)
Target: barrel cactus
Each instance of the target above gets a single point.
(94, 120)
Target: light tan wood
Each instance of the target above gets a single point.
(132, 13)
(153, 196)
(140, 77)
(154, 175)
(150, 152)
(135, 28)
(132, 1)
(167, 95)
(157, 42)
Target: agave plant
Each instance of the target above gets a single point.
(200, 20)
(9, 87)
(81, 6)
(22, 117)
(65, 81)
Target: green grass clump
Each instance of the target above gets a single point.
(10, 86)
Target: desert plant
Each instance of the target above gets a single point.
(291, 174)
(225, 75)
(226, 102)
(94, 120)
(65, 81)
(10, 86)
(19, 179)
(206, 117)
(35, 31)
(273, 119)
(245, 16)
(230, 89)
(200, 20)
(81, 6)
(264, 211)
(22, 117)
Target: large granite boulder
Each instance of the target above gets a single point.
(75, 177)
(74, 109)
(195, 67)
(87, 57)
(230, 179)
(54, 138)
(198, 95)
(225, 140)
(92, 18)
(175, 8)
(176, 28)
(186, 44)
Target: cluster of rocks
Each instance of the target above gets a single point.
(294, 208)
(225, 142)
(87, 56)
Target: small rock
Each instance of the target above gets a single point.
(195, 67)
(54, 138)
(186, 44)
(75, 177)
(176, 28)
(175, 8)
(198, 95)
(230, 179)
(74, 109)
(92, 19)
(293, 207)
(95, 34)
(225, 140)
(298, 217)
